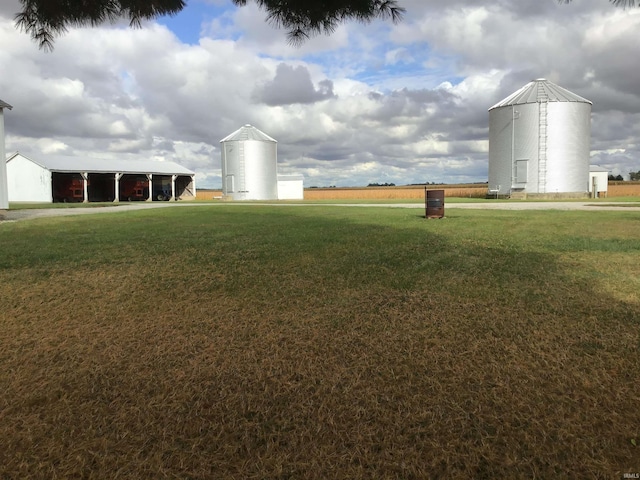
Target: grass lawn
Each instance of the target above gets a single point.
(326, 342)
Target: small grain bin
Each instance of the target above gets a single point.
(249, 165)
(539, 142)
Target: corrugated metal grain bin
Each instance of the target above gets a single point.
(539, 141)
(434, 203)
(249, 165)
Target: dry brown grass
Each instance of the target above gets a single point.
(390, 358)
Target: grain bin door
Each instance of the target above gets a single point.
(230, 184)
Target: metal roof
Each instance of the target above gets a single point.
(4, 104)
(290, 177)
(540, 90)
(597, 168)
(248, 132)
(91, 165)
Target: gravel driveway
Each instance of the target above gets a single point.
(24, 214)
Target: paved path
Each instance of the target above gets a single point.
(24, 214)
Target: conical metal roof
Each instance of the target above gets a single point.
(248, 132)
(5, 105)
(540, 90)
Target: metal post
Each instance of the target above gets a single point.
(85, 185)
(150, 178)
(117, 178)
(4, 181)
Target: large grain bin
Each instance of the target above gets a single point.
(539, 142)
(249, 165)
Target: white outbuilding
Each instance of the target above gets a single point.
(71, 179)
(598, 181)
(539, 142)
(290, 187)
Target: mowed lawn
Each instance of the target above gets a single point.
(263, 342)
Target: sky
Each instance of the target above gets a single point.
(371, 103)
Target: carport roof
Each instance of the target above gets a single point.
(92, 165)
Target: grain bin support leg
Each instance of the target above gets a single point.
(173, 187)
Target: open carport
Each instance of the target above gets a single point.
(89, 180)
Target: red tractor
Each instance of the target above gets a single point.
(68, 188)
(133, 189)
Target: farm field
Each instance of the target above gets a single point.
(415, 192)
(326, 342)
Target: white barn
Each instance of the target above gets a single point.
(88, 180)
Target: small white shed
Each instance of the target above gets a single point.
(290, 187)
(598, 181)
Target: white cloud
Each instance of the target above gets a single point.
(371, 103)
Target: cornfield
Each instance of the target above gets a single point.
(616, 189)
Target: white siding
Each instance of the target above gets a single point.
(601, 180)
(28, 182)
(290, 187)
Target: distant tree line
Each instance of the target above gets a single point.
(633, 176)
(381, 185)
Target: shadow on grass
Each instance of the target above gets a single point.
(309, 343)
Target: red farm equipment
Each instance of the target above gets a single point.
(68, 188)
(134, 189)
